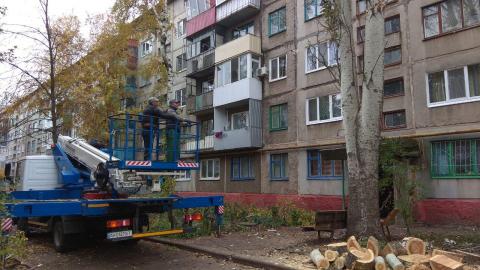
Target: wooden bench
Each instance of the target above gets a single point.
(328, 221)
(389, 220)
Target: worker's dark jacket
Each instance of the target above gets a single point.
(157, 115)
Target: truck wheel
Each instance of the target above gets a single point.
(61, 240)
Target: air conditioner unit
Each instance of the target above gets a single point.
(261, 72)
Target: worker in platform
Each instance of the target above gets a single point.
(173, 130)
(152, 115)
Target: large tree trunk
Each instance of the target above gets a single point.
(361, 118)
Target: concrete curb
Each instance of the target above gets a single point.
(237, 258)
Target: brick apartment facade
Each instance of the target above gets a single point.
(263, 132)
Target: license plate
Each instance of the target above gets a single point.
(119, 235)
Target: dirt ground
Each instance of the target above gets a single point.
(105, 255)
(290, 246)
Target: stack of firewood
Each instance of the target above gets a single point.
(408, 254)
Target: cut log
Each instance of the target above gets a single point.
(380, 263)
(452, 255)
(365, 261)
(318, 259)
(415, 246)
(410, 260)
(442, 262)
(372, 244)
(339, 263)
(395, 248)
(419, 267)
(352, 243)
(331, 255)
(340, 247)
(387, 249)
(394, 262)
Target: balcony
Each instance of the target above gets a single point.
(201, 22)
(205, 143)
(201, 64)
(248, 135)
(200, 103)
(231, 12)
(247, 43)
(249, 88)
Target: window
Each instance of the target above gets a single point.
(324, 109)
(392, 25)
(322, 169)
(361, 6)
(195, 7)
(313, 8)
(180, 96)
(278, 68)
(279, 166)
(243, 30)
(242, 168)
(320, 56)
(279, 117)
(277, 21)
(393, 56)
(450, 15)
(210, 169)
(232, 70)
(455, 159)
(147, 47)
(393, 120)
(181, 28)
(181, 62)
(454, 86)
(393, 88)
(360, 34)
(183, 175)
(206, 128)
(239, 120)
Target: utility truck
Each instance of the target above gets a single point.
(81, 190)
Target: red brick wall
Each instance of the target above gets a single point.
(449, 211)
(429, 211)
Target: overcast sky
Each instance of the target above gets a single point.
(28, 12)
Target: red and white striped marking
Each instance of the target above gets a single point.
(221, 210)
(183, 164)
(144, 163)
(7, 224)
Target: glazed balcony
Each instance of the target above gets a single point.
(231, 12)
(240, 129)
(247, 43)
(201, 22)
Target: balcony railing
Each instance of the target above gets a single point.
(201, 62)
(200, 103)
(203, 144)
(236, 9)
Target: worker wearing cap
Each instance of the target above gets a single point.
(173, 130)
(150, 126)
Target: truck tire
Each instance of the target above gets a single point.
(61, 241)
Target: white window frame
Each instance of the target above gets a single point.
(278, 68)
(317, 58)
(449, 101)
(144, 52)
(181, 25)
(236, 113)
(213, 169)
(318, 121)
(181, 176)
(182, 97)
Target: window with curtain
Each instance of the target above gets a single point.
(455, 159)
(277, 21)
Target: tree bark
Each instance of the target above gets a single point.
(361, 118)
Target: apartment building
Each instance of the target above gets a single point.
(269, 107)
